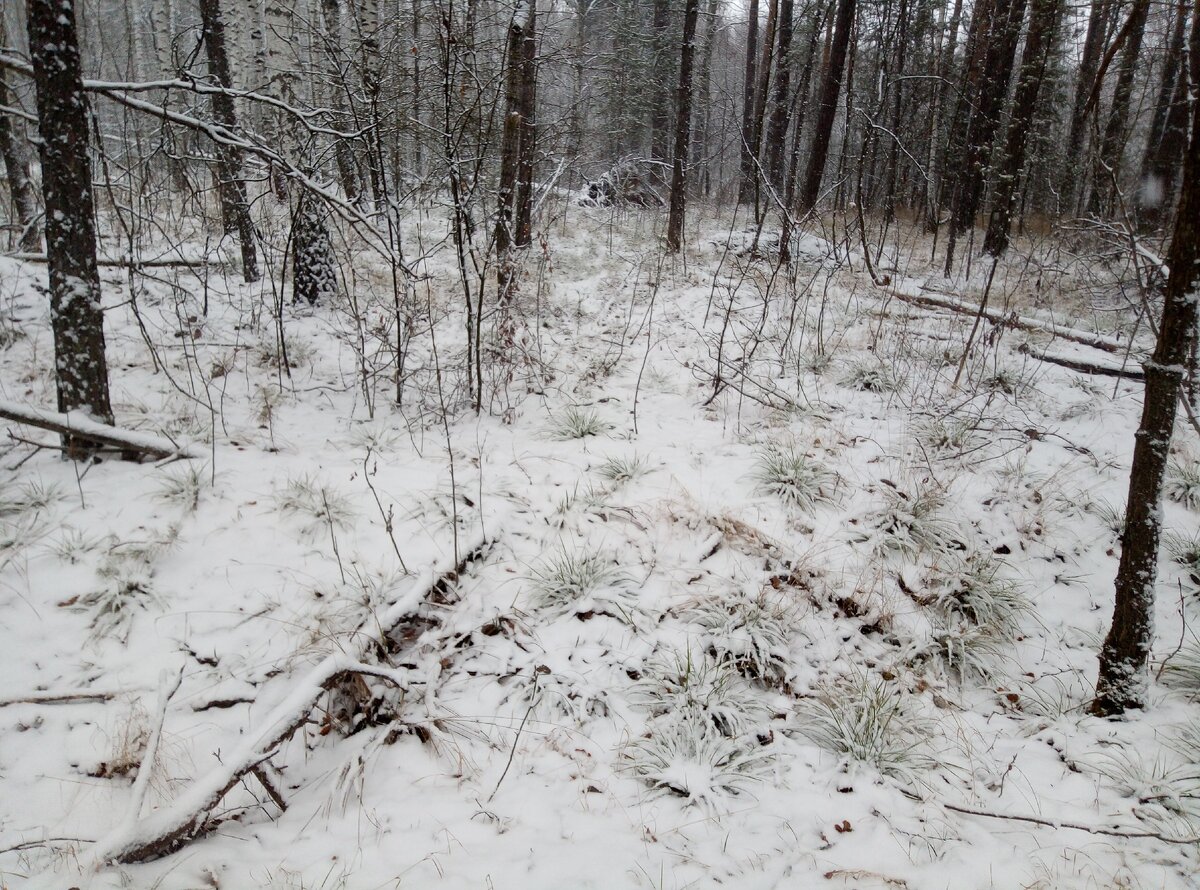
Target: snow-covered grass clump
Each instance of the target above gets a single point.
(798, 480)
(575, 422)
(1182, 484)
(583, 582)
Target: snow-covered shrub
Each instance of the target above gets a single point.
(575, 422)
(974, 591)
(1182, 484)
(620, 470)
(1182, 670)
(795, 478)
(911, 524)
(869, 375)
(865, 719)
(701, 686)
(1186, 552)
(34, 496)
(581, 582)
(961, 649)
(183, 487)
(749, 630)
(318, 507)
(686, 756)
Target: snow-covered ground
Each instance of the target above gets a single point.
(780, 636)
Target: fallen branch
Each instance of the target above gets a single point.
(1012, 320)
(1076, 826)
(168, 829)
(78, 424)
(59, 698)
(1099, 369)
(121, 263)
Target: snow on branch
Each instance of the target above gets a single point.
(76, 423)
(189, 815)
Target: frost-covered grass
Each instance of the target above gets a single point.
(1182, 484)
(576, 422)
(796, 479)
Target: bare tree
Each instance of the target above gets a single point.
(16, 166)
(75, 312)
(1039, 44)
(831, 87)
(235, 207)
(1122, 680)
(683, 128)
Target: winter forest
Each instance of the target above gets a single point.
(599, 444)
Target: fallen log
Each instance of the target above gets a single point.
(1100, 369)
(189, 815)
(1013, 320)
(79, 425)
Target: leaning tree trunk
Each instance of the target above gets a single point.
(75, 313)
(526, 153)
(1099, 22)
(1105, 185)
(16, 166)
(683, 128)
(1123, 676)
(235, 208)
(831, 87)
(1039, 44)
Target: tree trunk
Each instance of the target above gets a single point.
(510, 149)
(235, 208)
(1123, 676)
(831, 87)
(526, 155)
(704, 91)
(937, 145)
(16, 167)
(342, 154)
(683, 128)
(75, 313)
(1112, 147)
(748, 152)
(314, 268)
(1099, 23)
(660, 98)
(781, 104)
(1168, 132)
(995, 41)
(1039, 44)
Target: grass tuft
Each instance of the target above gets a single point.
(793, 477)
(577, 423)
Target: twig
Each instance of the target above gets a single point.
(1077, 826)
(513, 752)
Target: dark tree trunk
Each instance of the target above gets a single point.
(528, 133)
(1039, 44)
(995, 41)
(235, 208)
(1099, 23)
(1168, 131)
(683, 128)
(1122, 679)
(660, 98)
(937, 145)
(831, 87)
(16, 167)
(749, 152)
(761, 89)
(75, 313)
(704, 90)
(1112, 146)
(781, 103)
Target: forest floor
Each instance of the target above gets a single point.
(781, 632)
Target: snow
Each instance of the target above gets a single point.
(529, 746)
